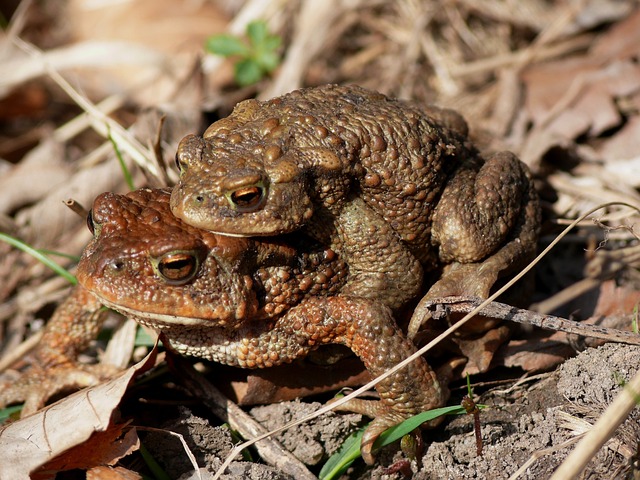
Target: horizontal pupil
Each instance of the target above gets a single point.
(246, 197)
(177, 268)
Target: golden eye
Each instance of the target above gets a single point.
(247, 199)
(177, 268)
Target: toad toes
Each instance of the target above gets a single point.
(392, 187)
(248, 302)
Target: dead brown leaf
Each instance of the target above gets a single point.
(32, 442)
(102, 448)
(109, 473)
(616, 299)
(539, 352)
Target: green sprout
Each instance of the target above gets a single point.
(349, 452)
(257, 56)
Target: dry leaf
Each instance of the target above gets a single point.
(622, 152)
(540, 352)
(102, 448)
(45, 222)
(40, 171)
(108, 473)
(480, 351)
(29, 443)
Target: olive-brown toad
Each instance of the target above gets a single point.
(392, 187)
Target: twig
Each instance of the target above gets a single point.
(442, 307)
(76, 207)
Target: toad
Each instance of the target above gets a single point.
(247, 302)
(396, 189)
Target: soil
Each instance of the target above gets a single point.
(534, 423)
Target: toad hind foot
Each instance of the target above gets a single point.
(471, 275)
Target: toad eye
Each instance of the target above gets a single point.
(93, 227)
(247, 199)
(182, 166)
(177, 268)
(90, 225)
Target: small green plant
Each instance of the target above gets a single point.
(350, 449)
(257, 56)
(157, 471)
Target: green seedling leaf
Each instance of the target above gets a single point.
(39, 256)
(271, 43)
(8, 412)
(154, 466)
(257, 32)
(255, 58)
(340, 461)
(248, 72)
(227, 46)
(269, 61)
(350, 449)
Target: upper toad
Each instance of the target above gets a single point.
(391, 186)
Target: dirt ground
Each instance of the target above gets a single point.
(557, 83)
(529, 427)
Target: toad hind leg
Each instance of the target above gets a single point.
(72, 327)
(366, 327)
(468, 276)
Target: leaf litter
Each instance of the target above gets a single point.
(557, 83)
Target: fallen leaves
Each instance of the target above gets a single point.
(581, 95)
(80, 423)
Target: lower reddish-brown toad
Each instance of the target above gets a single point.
(240, 301)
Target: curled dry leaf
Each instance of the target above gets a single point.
(45, 222)
(27, 444)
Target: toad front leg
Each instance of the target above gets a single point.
(364, 326)
(74, 324)
(381, 267)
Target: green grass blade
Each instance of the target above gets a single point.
(74, 258)
(39, 256)
(125, 171)
(350, 449)
(155, 468)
